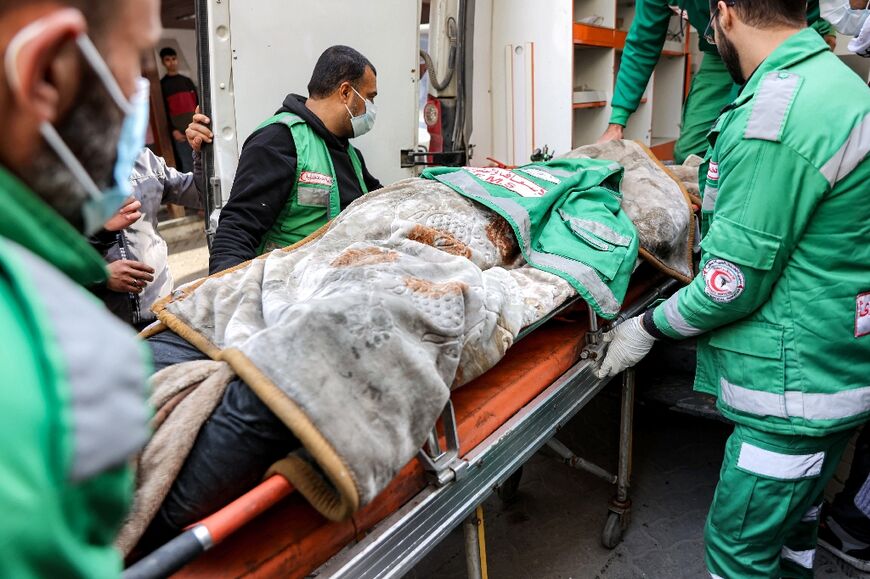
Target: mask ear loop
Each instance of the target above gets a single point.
(364, 100)
(49, 133)
(24, 36)
(98, 64)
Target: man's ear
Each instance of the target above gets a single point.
(43, 64)
(726, 15)
(344, 91)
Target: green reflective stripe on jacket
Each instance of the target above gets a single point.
(566, 217)
(785, 260)
(76, 412)
(646, 37)
(314, 199)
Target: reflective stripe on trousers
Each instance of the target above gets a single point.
(803, 558)
(780, 466)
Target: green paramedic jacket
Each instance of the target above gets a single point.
(646, 37)
(72, 399)
(566, 217)
(314, 199)
(782, 303)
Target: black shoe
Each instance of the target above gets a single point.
(842, 545)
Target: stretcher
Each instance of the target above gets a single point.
(487, 431)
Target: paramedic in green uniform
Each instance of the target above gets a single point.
(712, 87)
(781, 306)
(298, 169)
(72, 376)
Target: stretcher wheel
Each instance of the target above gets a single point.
(611, 535)
(507, 491)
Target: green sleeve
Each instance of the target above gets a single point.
(823, 28)
(758, 218)
(643, 46)
(814, 19)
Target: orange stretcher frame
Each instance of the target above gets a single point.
(291, 539)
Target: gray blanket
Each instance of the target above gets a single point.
(407, 287)
(355, 337)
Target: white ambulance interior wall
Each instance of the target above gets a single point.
(276, 43)
(531, 80)
(184, 43)
(481, 82)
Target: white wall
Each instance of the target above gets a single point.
(273, 56)
(481, 83)
(547, 26)
(185, 40)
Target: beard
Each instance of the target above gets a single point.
(730, 56)
(90, 130)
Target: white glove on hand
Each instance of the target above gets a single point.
(629, 343)
(860, 45)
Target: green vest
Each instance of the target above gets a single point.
(314, 199)
(566, 217)
(72, 401)
(782, 305)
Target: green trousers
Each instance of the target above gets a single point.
(765, 513)
(712, 88)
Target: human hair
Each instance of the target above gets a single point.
(167, 51)
(336, 65)
(98, 13)
(769, 13)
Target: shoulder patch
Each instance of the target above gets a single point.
(771, 104)
(723, 280)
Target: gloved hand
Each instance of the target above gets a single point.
(629, 343)
(860, 45)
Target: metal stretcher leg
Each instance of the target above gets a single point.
(619, 516)
(575, 461)
(475, 545)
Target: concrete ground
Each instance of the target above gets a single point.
(553, 528)
(188, 252)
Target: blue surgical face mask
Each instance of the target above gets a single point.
(363, 123)
(843, 17)
(100, 204)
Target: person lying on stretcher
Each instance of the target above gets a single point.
(426, 282)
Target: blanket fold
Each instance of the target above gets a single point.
(355, 337)
(183, 397)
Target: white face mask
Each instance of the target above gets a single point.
(363, 123)
(843, 17)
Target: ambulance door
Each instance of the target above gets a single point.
(253, 53)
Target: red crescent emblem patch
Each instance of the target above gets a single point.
(723, 280)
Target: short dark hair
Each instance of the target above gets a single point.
(167, 51)
(769, 13)
(336, 65)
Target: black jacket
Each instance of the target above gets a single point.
(264, 180)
